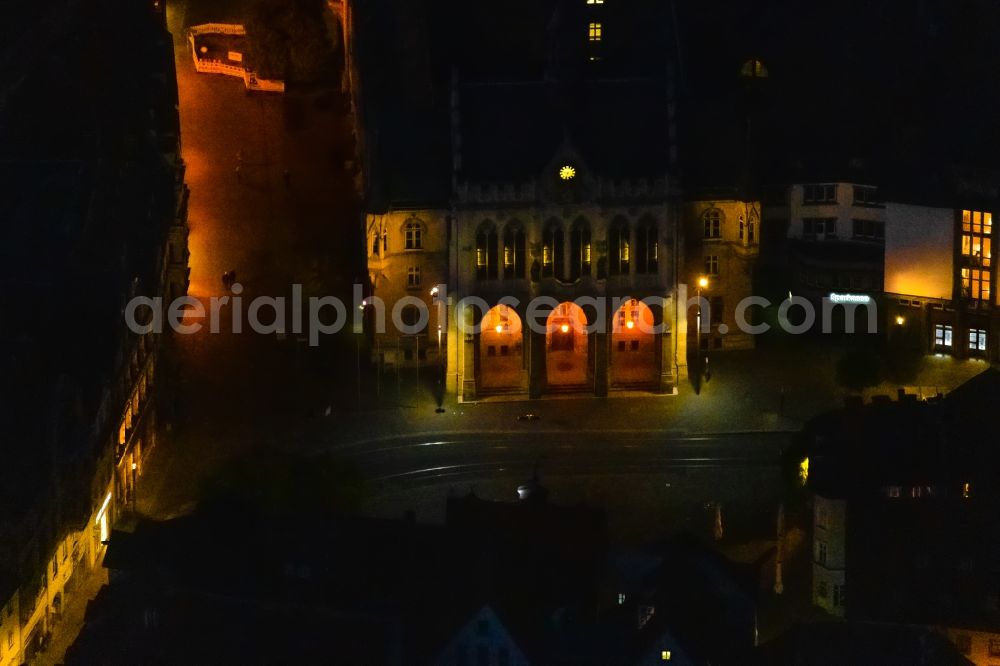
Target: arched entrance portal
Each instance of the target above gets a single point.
(501, 356)
(633, 345)
(566, 347)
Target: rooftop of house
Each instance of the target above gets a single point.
(834, 643)
(511, 132)
(858, 451)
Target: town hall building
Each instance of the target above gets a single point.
(540, 187)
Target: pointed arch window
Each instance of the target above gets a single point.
(513, 251)
(580, 250)
(487, 264)
(647, 247)
(619, 248)
(552, 250)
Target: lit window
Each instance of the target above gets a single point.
(619, 250)
(892, 491)
(413, 276)
(487, 253)
(942, 335)
(977, 340)
(976, 284)
(595, 2)
(665, 655)
(594, 32)
(754, 69)
(646, 250)
(579, 250)
(513, 251)
(412, 232)
(552, 251)
(621, 598)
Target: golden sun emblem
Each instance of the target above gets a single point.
(567, 172)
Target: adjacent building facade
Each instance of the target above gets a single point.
(903, 504)
(89, 225)
(722, 242)
(940, 278)
(835, 236)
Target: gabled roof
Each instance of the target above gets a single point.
(511, 131)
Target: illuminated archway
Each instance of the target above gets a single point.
(566, 346)
(633, 345)
(501, 355)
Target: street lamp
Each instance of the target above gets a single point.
(702, 284)
(135, 499)
(440, 379)
(357, 352)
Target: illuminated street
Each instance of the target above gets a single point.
(240, 392)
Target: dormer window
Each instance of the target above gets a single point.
(754, 69)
